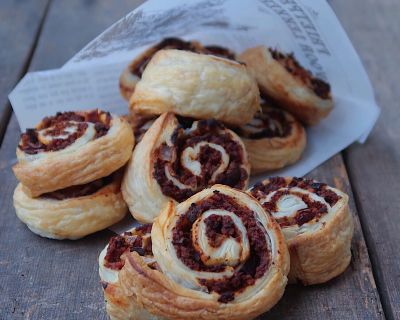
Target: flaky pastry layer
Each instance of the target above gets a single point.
(56, 170)
(196, 85)
(288, 91)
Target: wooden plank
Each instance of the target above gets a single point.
(374, 166)
(41, 278)
(20, 25)
(352, 295)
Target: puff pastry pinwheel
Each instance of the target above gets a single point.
(316, 222)
(282, 78)
(72, 148)
(119, 306)
(73, 212)
(219, 256)
(173, 162)
(273, 139)
(198, 86)
(132, 74)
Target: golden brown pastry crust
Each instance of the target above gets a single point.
(196, 85)
(142, 191)
(278, 149)
(132, 73)
(71, 218)
(319, 249)
(118, 305)
(76, 164)
(172, 294)
(289, 91)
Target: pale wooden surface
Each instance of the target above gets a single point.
(18, 41)
(44, 279)
(374, 168)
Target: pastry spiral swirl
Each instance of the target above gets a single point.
(196, 85)
(132, 74)
(119, 306)
(72, 148)
(173, 162)
(316, 222)
(273, 139)
(73, 212)
(219, 256)
(281, 78)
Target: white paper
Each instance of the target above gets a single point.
(309, 28)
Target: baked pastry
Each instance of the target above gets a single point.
(173, 162)
(281, 77)
(140, 124)
(219, 256)
(132, 74)
(118, 305)
(273, 139)
(74, 212)
(198, 86)
(316, 222)
(72, 148)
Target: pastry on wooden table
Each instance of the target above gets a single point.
(281, 77)
(198, 86)
(73, 212)
(273, 139)
(132, 74)
(72, 148)
(175, 162)
(219, 256)
(316, 222)
(119, 306)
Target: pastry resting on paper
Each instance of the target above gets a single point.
(118, 305)
(218, 256)
(72, 148)
(316, 222)
(73, 212)
(173, 162)
(273, 139)
(281, 77)
(132, 73)
(198, 86)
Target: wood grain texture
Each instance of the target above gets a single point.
(41, 278)
(373, 26)
(20, 25)
(352, 295)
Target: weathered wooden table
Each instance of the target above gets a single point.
(45, 279)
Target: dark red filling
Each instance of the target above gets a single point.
(30, 143)
(138, 66)
(320, 87)
(209, 158)
(128, 241)
(314, 208)
(274, 124)
(218, 228)
(254, 267)
(80, 190)
(319, 188)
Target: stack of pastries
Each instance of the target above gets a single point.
(70, 170)
(204, 120)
